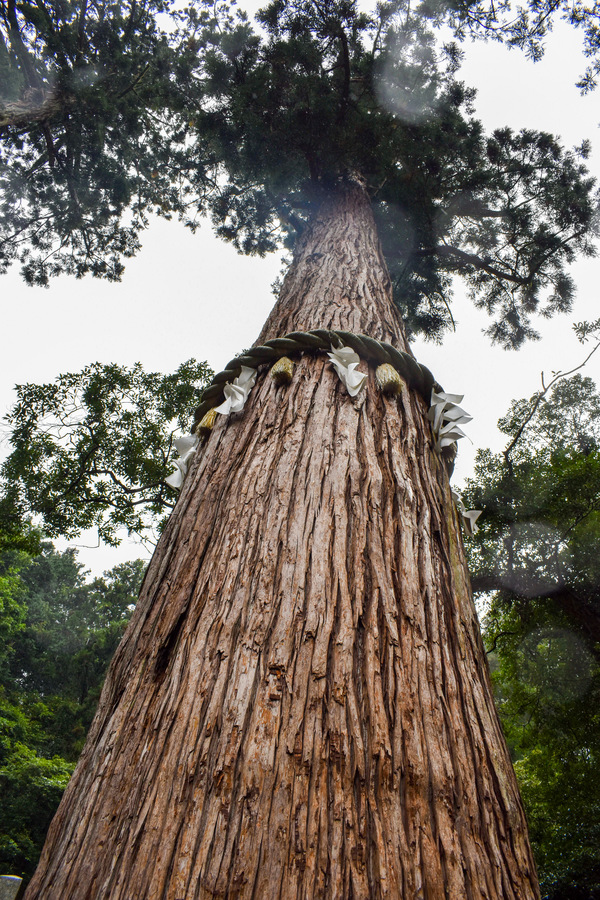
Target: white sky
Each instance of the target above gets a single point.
(193, 296)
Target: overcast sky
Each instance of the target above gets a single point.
(193, 296)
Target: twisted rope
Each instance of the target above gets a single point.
(417, 377)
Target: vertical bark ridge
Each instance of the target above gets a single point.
(300, 707)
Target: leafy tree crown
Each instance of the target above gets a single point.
(252, 125)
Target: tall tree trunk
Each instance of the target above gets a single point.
(301, 706)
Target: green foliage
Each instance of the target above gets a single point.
(542, 505)
(93, 448)
(15, 537)
(537, 552)
(54, 666)
(31, 788)
(85, 132)
(16, 548)
(254, 127)
(73, 626)
(327, 90)
(57, 661)
(548, 690)
(526, 26)
(12, 609)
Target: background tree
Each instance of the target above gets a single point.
(93, 448)
(89, 147)
(547, 684)
(536, 555)
(542, 501)
(53, 666)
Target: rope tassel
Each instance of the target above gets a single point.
(388, 380)
(283, 370)
(206, 424)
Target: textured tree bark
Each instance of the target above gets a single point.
(301, 706)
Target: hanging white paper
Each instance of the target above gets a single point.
(445, 416)
(468, 516)
(236, 392)
(175, 479)
(456, 414)
(186, 447)
(345, 360)
(448, 434)
(439, 403)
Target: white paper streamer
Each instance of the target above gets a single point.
(468, 516)
(345, 360)
(236, 392)
(448, 434)
(186, 447)
(439, 403)
(445, 416)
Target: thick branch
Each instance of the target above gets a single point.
(470, 259)
(346, 85)
(81, 29)
(36, 106)
(574, 602)
(17, 44)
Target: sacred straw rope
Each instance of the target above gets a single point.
(416, 375)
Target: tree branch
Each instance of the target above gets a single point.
(346, 85)
(35, 106)
(534, 407)
(19, 47)
(470, 259)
